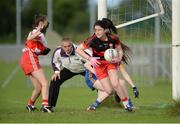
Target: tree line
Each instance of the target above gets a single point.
(68, 15)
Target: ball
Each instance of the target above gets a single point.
(110, 54)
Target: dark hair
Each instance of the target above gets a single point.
(127, 54)
(38, 18)
(106, 24)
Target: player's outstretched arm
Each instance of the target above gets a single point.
(129, 80)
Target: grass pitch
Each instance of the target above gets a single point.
(154, 104)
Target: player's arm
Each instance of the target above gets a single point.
(126, 75)
(34, 35)
(56, 64)
(88, 66)
(129, 80)
(80, 51)
(92, 60)
(37, 33)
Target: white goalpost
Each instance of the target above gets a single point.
(144, 18)
(175, 49)
(102, 9)
(102, 12)
(167, 14)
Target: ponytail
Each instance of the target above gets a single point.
(109, 25)
(127, 54)
(106, 24)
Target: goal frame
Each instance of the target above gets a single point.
(102, 13)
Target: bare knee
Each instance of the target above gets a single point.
(115, 85)
(45, 84)
(37, 88)
(109, 91)
(121, 82)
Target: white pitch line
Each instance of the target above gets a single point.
(15, 102)
(10, 76)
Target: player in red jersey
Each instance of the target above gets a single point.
(36, 45)
(106, 72)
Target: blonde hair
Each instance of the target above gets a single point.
(67, 40)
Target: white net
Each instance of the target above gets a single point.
(137, 16)
(143, 27)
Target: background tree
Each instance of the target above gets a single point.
(7, 17)
(69, 17)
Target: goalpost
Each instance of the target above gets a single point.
(176, 49)
(102, 12)
(160, 10)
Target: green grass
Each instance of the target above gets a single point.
(153, 105)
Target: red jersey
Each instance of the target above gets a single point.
(29, 60)
(98, 46)
(37, 44)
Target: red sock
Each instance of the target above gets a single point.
(31, 102)
(125, 99)
(125, 102)
(44, 102)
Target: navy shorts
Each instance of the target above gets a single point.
(90, 81)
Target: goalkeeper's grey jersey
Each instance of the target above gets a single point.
(72, 62)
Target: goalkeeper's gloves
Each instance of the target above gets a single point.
(136, 92)
(46, 51)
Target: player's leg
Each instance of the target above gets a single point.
(102, 76)
(53, 92)
(102, 95)
(54, 88)
(123, 85)
(40, 76)
(93, 84)
(113, 75)
(35, 94)
(97, 84)
(101, 92)
(105, 82)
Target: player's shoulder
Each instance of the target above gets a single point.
(89, 39)
(57, 50)
(75, 45)
(113, 36)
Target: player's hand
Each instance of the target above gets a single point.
(90, 75)
(46, 51)
(55, 76)
(44, 28)
(40, 26)
(94, 61)
(136, 92)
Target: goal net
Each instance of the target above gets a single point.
(145, 26)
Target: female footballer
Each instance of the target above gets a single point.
(106, 72)
(36, 45)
